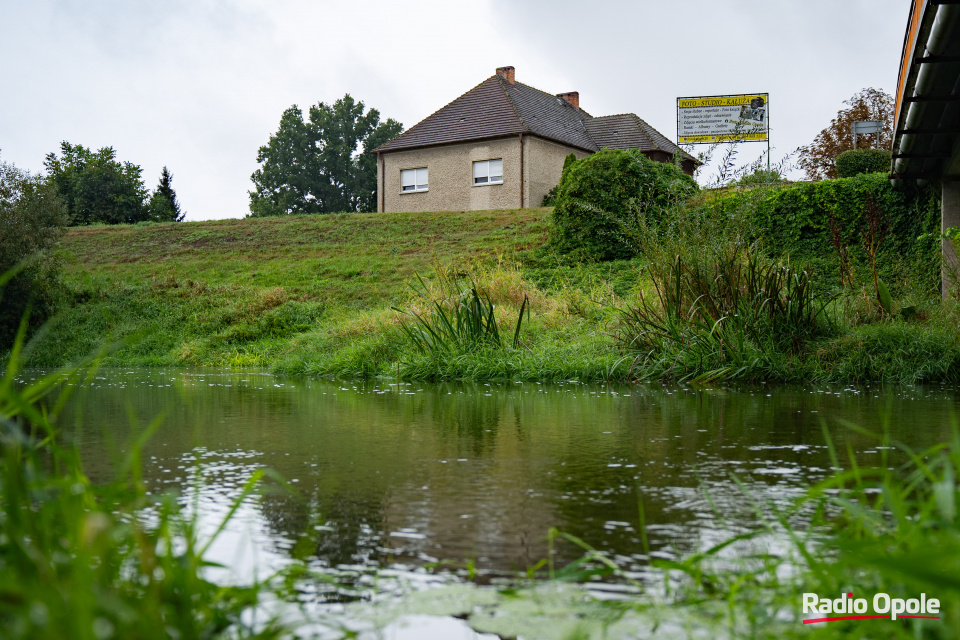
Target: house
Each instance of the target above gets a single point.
(501, 145)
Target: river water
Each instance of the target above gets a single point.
(471, 477)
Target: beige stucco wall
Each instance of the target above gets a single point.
(542, 166)
(451, 177)
(450, 168)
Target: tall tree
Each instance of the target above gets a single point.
(320, 165)
(96, 187)
(163, 205)
(32, 219)
(817, 159)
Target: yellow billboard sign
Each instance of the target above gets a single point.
(736, 118)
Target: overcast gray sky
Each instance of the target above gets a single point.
(199, 85)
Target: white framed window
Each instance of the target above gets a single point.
(488, 171)
(413, 180)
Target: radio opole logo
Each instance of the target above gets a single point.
(850, 608)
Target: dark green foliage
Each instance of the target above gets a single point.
(96, 187)
(856, 161)
(163, 205)
(323, 164)
(601, 198)
(822, 222)
(550, 199)
(32, 220)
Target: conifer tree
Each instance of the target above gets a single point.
(164, 206)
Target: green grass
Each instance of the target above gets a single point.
(333, 296)
(247, 293)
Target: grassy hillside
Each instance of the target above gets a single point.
(349, 259)
(310, 294)
(319, 296)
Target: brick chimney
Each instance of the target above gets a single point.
(573, 97)
(508, 74)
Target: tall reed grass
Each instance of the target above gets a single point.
(715, 306)
(723, 315)
(461, 320)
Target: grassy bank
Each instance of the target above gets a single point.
(324, 296)
(313, 294)
(319, 296)
(236, 292)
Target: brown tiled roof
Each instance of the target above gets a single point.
(628, 131)
(483, 112)
(496, 108)
(550, 117)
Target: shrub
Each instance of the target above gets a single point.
(32, 219)
(601, 197)
(822, 221)
(760, 176)
(856, 161)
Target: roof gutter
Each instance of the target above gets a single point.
(503, 136)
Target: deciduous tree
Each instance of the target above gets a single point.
(96, 187)
(319, 165)
(32, 219)
(818, 158)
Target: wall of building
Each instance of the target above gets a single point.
(450, 177)
(542, 166)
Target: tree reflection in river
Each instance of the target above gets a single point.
(417, 473)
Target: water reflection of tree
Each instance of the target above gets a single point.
(468, 414)
(537, 456)
(340, 528)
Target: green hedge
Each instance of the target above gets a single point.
(856, 161)
(601, 196)
(796, 220)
